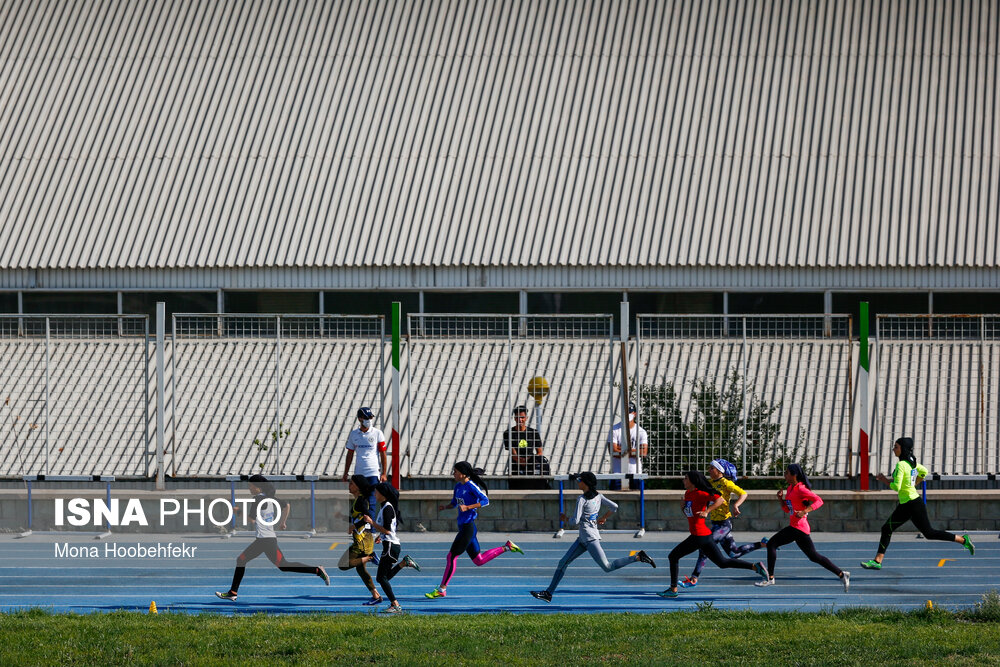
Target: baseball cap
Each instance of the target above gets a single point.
(631, 407)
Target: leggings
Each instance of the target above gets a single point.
(388, 567)
(269, 547)
(722, 533)
(596, 552)
(466, 541)
(915, 511)
(709, 547)
(787, 535)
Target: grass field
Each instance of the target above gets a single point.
(856, 636)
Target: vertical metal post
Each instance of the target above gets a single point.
(611, 387)
(145, 392)
(381, 377)
(746, 408)
(277, 396)
(161, 310)
(827, 311)
(232, 501)
(397, 427)
(107, 523)
(626, 431)
(173, 393)
(28, 483)
(409, 378)
(20, 311)
(312, 505)
(981, 469)
(47, 447)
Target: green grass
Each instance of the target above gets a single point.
(856, 636)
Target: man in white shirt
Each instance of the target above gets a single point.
(369, 444)
(620, 451)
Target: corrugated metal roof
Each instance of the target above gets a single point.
(454, 133)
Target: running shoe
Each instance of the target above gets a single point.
(392, 609)
(763, 542)
(436, 593)
(760, 569)
(668, 594)
(542, 595)
(871, 564)
(846, 579)
(514, 548)
(409, 562)
(323, 575)
(374, 601)
(643, 557)
(765, 582)
(228, 595)
(689, 582)
(969, 546)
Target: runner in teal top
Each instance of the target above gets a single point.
(907, 474)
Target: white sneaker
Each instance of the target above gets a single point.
(847, 580)
(765, 582)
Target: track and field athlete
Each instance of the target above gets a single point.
(587, 517)
(797, 502)
(699, 500)
(389, 563)
(905, 478)
(469, 496)
(362, 547)
(722, 476)
(266, 507)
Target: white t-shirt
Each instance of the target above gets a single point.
(366, 446)
(387, 519)
(639, 438)
(268, 511)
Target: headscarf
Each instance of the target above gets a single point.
(799, 474)
(466, 469)
(906, 451)
(590, 479)
(362, 483)
(391, 496)
(700, 482)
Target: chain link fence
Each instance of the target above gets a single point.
(937, 381)
(761, 391)
(76, 396)
(466, 374)
(270, 393)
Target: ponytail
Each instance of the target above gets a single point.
(700, 482)
(473, 474)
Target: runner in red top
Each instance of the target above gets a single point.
(700, 499)
(797, 502)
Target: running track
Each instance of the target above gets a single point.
(32, 576)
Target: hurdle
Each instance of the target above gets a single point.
(959, 478)
(233, 479)
(562, 479)
(29, 479)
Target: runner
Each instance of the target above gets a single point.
(905, 477)
(389, 564)
(722, 476)
(700, 499)
(362, 547)
(266, 507)
(469, 495)
(588, 507)
(798, 502)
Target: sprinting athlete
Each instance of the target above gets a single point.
(700, 499)
(722, 476)
(469, 495)
(389, 564)
(266, 541)
(588, 508)
(907, 474)
(797, 503)
(362, 547)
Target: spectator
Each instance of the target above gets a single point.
(525, 446)
(618, 447)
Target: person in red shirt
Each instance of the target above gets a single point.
(700, 499)
(797, 502)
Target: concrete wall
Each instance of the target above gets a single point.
(514, 511)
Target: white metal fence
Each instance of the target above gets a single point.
(761, 391)
(271, 393)
(465, 374)
(75, 395)
(937, 379)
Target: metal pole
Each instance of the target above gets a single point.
(145, 392)
(173, 393)
(277, 397)
(982, 398)
(312, 505)
(161, 310)
(409, 379)
(510, 396)
(47, 447)
(626, 430)
(396, 426)
(746, 409)
(381, 379)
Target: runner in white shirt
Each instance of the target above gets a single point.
(385, 524)
(619, 447)
(368, 444)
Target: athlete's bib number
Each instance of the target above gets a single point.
(688, 511)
